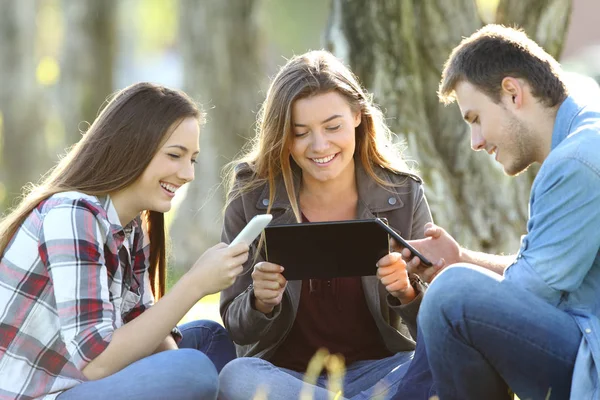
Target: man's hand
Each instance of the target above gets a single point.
(438, 246)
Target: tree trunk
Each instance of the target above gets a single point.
(86, 62)
(22, 153)
(223, 59)
(398, 48)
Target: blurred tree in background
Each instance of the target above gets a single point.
(56, 67)
(60, 59)
(226, 75)
(86, 62)
(398, 48)
(22, 113)
(226, 57)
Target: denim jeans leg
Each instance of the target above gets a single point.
(417, 382)
(244, 377)
(376, 378)
(484, 334)
(210, 338)
(184, 374)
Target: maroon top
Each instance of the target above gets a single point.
(332, 314)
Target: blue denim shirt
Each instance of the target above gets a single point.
(559, 258)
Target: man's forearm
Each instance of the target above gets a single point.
(494, 263)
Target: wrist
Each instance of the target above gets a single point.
(261, 306)
(186, 284)
(463, 256)
(405, 296)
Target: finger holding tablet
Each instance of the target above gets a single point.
(391, 271)
(268, 284)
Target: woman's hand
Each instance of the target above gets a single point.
(269, 285)
(391, 271)
(218, 267)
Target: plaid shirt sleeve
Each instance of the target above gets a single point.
(71, 247)
(141, 264)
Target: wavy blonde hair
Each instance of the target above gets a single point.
(303, 76)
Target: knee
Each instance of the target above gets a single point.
(236, 378)
(214, 327)
(195, 372)
(456, 287)
(231, 372)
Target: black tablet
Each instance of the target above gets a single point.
(325, 250)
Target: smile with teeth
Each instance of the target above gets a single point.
(324, 160)
(168, 187)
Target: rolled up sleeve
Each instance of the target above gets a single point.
(71, 247)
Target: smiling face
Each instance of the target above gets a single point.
(324, 137)
(496, 129)
(171, 167)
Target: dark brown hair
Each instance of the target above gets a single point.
(494, 52)
(110, 156)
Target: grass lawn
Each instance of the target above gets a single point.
(207, 308)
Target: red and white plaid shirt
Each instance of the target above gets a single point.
(67, 280)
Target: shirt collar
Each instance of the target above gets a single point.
(112, 216)
(567, 112)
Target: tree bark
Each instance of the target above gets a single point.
(398, 48)
(22, 153)
(86, 62)
(223, 57)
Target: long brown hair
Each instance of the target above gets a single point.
(110, 156)
(312, 73)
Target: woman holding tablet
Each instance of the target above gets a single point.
(322, 152)
(82, 262)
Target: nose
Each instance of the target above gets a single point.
(319, 142)
(477, 140)
(186, 173)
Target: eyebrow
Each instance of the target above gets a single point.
(323, 122)
(182, 148)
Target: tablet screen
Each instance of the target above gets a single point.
(325, 250)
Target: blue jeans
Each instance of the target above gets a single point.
(188, 373)
(244, 377)
(210, 338)
(484, 334)
(417, 383)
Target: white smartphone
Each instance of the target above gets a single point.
(252, 229)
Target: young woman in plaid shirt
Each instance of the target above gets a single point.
(83, 259)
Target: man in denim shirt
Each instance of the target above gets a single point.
(531, 322)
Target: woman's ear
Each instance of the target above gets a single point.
(357, 118)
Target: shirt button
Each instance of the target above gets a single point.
(392, 201)
(265, 202)
(588, 330)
